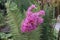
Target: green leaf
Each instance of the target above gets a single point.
(13, 6)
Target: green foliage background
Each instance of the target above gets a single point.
(16, 10)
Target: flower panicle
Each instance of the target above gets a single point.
(32, 19)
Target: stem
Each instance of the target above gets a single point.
(59, 35)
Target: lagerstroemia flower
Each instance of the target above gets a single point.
(41, 13)
(29, 10)
(32, 20)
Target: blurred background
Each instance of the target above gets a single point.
(12, 12)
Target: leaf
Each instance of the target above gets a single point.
(13, 6)
(14, 20)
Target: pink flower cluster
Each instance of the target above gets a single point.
(32, 20)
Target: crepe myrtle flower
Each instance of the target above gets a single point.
(41, 13)
(28, 24)
(29, 10)
(32, 20)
